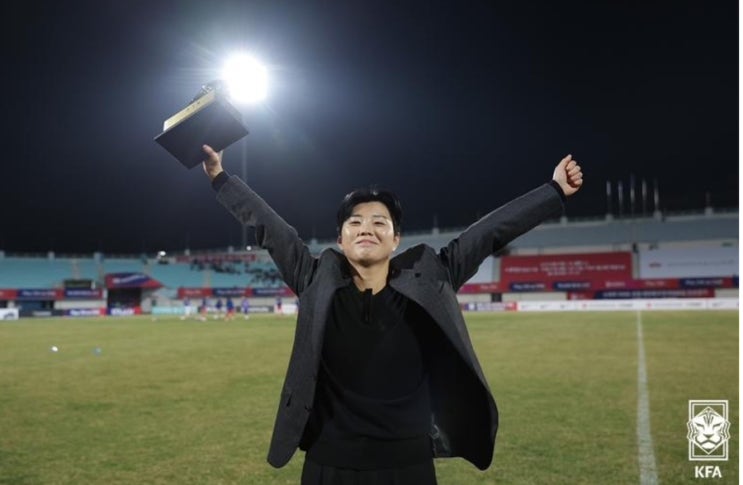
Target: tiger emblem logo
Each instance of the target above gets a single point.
(708, 432)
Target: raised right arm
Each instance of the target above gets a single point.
(291, 255)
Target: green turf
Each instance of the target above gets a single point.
(173, 401)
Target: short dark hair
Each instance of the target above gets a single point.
(370, 194)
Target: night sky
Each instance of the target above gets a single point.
(456, 106)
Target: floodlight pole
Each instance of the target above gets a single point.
(244, 174)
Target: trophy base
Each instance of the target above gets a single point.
(209, 120)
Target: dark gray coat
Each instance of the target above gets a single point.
(464, 414)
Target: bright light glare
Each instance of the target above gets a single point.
(246, 78)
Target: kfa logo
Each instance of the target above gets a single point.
(707, 471)
(709, 430)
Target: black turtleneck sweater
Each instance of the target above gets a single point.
(372, 405)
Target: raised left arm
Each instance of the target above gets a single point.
(464, 254)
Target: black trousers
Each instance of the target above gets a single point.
(417, 474)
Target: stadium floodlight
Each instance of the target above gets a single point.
(246, 78)
(210, 119)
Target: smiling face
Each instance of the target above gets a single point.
(368, 235)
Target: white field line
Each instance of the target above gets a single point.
(645, 455)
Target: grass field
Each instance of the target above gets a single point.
(186, 402)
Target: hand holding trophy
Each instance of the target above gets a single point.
(210, 118)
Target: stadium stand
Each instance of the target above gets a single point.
(229, 273)
(122, 265)
(595, 234)
(28, 272)
(176, 275)
(86, 268)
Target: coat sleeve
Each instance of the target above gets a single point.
(464, 254)
(291, 255)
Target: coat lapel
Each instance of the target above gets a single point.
(429, 296)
